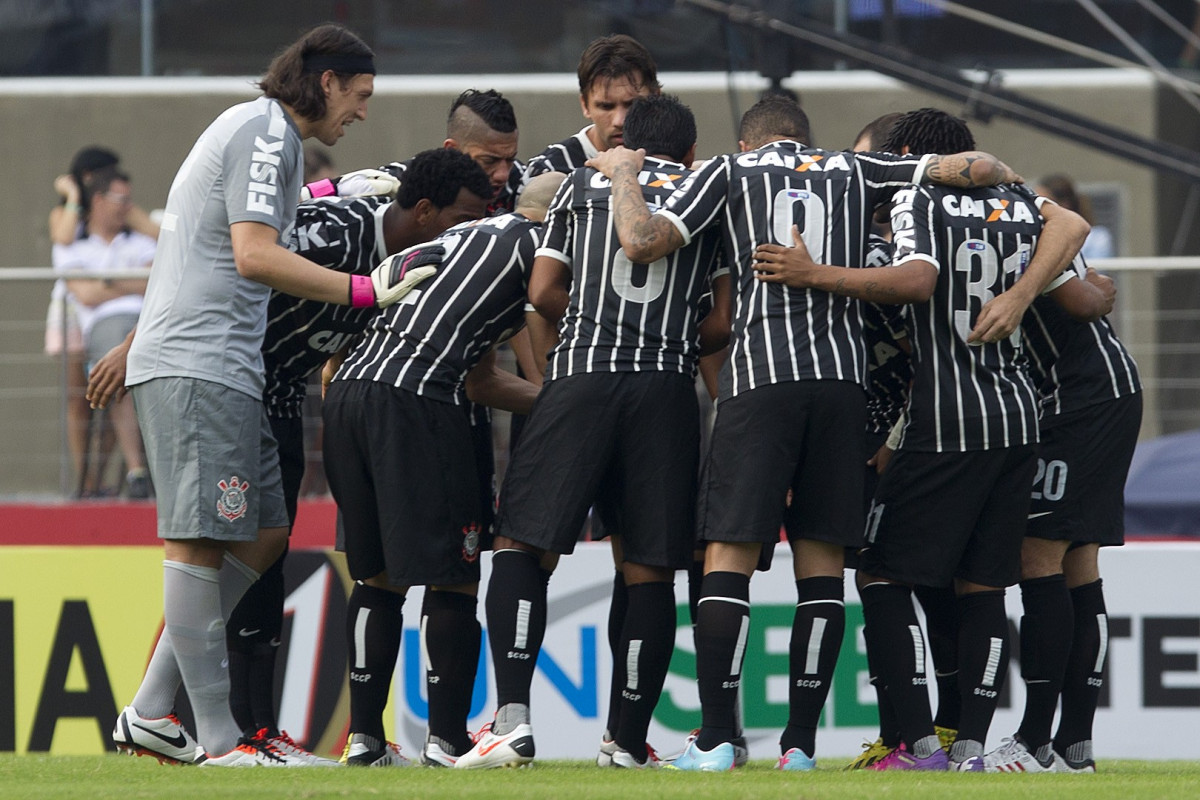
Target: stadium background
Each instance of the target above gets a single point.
(70, 76)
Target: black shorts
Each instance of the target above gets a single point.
(1083, 460)
(485, 463)
(403, 471)
(289, 433)
(873, 442)
(626, 441)
(940, 516)
(806, 436)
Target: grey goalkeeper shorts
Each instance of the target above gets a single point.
(213, 460)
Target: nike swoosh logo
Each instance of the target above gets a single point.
(244, 632)
(1040, 514)
(176, 741)
(483, 751)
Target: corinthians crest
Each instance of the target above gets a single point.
(232, 503)
(470, 546)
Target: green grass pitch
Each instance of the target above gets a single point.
(122, 778)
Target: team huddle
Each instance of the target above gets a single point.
(899, 337)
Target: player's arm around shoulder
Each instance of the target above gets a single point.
(645, 237)
(912, 281)
(968, 170)
(1062, 235)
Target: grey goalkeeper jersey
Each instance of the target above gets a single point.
(201, 319)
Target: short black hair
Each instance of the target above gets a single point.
(660, 125)
(438, 175)
(775, 115)
(490, 106)
(929, 130)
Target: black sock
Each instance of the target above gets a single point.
(1046, 629)
(722, 621)
(898, 649)
(695, 582)
(817, 629)
(941, 626)
(374, 626)
(252, 638)
(452, 642)
(616, 621)
(516, 617)
(983, 652)
(1085, 667)
(889, 727)
(647, 640)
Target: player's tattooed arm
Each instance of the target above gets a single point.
(645, 237)
(968, 170)
(911, 282)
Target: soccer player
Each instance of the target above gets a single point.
(196, 375)
(951, 505)
(401, 465)
(792, 411)
(1091, 409)
(613, 71)
(352, 235)
(480, 124)
(620, 389)
(441, 188)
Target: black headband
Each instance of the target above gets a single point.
(340, 63)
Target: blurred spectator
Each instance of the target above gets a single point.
(107, 308)
(1061, 189)
(318, 165)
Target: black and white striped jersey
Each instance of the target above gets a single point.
(503, 203)
(782, 334)
(565, 156)
(622, 316)
(966, 397)
(343, 234)
(1075, 364)
(889, 369)
(430, 340)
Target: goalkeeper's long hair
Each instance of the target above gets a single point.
(438, 175)
(929, 130)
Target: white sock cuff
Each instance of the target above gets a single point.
(251, 574)
(196, 571)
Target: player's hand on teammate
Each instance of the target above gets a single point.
(998, 319)
(106, 382)
(360, 183)
(399, 274)
(613, 159)
(881, 459)
(791, 266)
(1105, 284)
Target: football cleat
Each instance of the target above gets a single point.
(946, 736)
(1076, 758)
(287, 745)
(968, 764)
(796, 760)
(721, 758)
(491, 750)
(435, 753)
(251, 752)
(901, 759)
(367, 751)
(164, 738)
(1013, 755)
(873, 753)
(623, 759)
